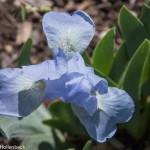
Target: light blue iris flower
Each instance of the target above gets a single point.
(98, 107)
(72, 33)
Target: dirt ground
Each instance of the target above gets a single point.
(16, 25)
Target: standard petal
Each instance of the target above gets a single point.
(77, 64)
(71, 33)
(85, 16)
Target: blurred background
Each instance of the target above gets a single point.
(21, 19)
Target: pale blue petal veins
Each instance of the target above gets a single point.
(115, 107)
(116, 103)
(71, 33)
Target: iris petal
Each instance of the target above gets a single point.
(115, 107)
(85, 16)
(71, 33)
(117, 103)
(18, 94)
(72, 88)
(99, 84)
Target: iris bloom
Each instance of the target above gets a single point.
(72, 33)
(98, 107)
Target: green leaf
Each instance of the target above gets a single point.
(24, 58)
(47, 140)
(132, 30)
(103, 53)
(87, 146)
(64, 119)
(145, 88)
(30, 128)
(86, 58)
(135, 70)
(134, 126)
(133, 81)
(119, 63)
(145, 18)
(138, 126)
(23, 13)
(147, 1)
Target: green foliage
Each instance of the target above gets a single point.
(103, 53)
(23, 13)
(110, 81)
(24, 58)
(132, 30)
(64, 119)
(147, 1)
(133, 78)
(87, 146)
(135, 71)
(145, 18)
(31, 129)
(119, 63)
(86, 58)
